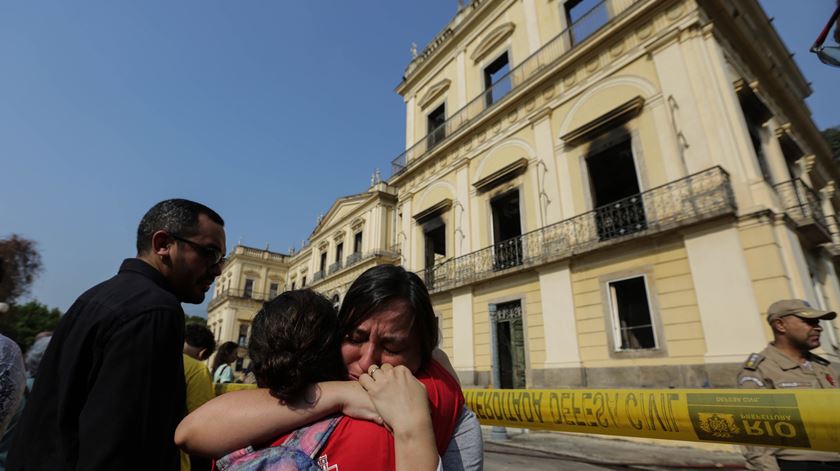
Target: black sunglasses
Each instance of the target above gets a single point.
(827, 55)
(211, 254)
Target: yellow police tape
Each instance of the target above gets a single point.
(778, 418)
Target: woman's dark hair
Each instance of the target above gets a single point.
(294, 343)
(382, 284)
(225, 355)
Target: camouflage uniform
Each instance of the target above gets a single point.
(772, 369)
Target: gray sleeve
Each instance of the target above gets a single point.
(466, 448)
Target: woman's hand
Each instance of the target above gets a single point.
(404, 406)
(355, 402)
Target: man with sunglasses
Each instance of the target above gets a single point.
(787, 362)
(110, 388)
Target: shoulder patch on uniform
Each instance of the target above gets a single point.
(753, 361)
(752, 379)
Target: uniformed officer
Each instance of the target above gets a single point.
(787, 362)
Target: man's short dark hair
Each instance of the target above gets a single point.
(176, 216)
(382, 284)
(199, 336)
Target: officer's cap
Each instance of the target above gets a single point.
(796, 307)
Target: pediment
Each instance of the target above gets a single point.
(341, 209)
(434, 92)
(491, 40)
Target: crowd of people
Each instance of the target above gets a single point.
(123, 384)
(364, 387)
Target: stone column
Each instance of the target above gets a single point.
(463, 341)
(546, 172)
(732, 325)
(560, 324)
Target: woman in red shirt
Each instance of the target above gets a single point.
(386, 318)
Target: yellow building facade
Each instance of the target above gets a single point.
(596, 193)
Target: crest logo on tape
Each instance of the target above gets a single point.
(767, 419)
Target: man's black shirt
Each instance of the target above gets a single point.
(110, 388)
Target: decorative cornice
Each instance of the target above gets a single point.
(809, 162)
(357, 224)
(623, 112)
(434, 92)
(434, 210)
(338, 235)
(504, 173)
(491, 40)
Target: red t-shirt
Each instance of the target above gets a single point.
(359, 444)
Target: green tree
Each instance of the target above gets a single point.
(832, 136)
(20, 264)
(24, 321)
(195, 320)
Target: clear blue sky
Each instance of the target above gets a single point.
(266, 111)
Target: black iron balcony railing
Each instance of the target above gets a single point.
(239, 294)
(803, 205)
(391, 254)
(353, 259)
(530, 68)
(699, 197)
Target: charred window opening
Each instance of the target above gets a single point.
(249, 288)
(434, 238)
(507, 230)
(619, 209)
(436, 130)
(272, 290)
(496, 79)
(755, 115)
(339, 252)
(632, 321)
(510, 345)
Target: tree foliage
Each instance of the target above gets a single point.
(195, 320)
(20, 264)
(832, 136)
(24, 321)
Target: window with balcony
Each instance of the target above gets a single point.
(357, 242)
(630, 310)
(339, 252)
(435, 126)
(303, 282)
(293, 286)
(323, 264)
(249, 288)
(584, 18)
(496, 79)
(619, 209)
(243, 335)
(507, 230)
(272, 290)
(434, 238)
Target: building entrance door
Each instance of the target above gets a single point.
(510, 345)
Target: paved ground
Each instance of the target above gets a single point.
(567, 451)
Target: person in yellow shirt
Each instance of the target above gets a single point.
(199, 344)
